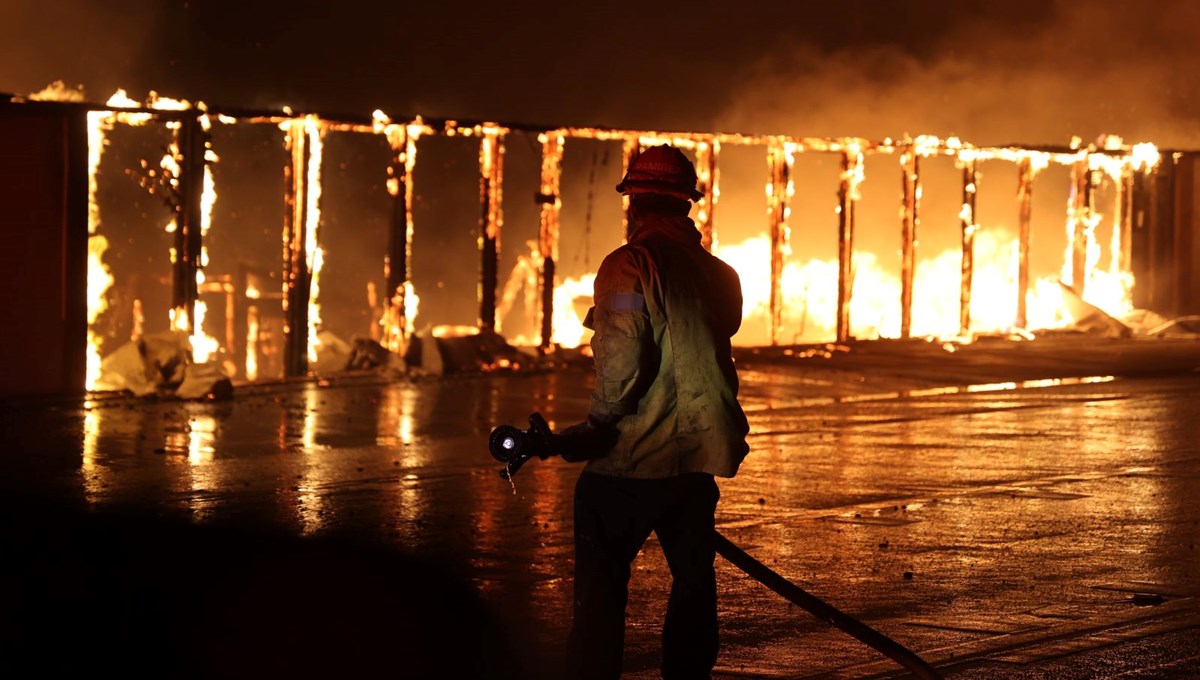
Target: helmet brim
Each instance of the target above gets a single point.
(630, 187)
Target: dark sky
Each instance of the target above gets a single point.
(868, 67)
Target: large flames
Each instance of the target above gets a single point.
(786, 299)
(809, 289)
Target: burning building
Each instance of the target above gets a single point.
(225, 234)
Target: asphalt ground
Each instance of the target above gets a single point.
(1005, 509)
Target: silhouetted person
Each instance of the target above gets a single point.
(665, 310)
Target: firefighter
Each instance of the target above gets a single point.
(666, 393)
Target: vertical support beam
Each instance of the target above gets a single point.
(397, 264)
(1161, 227)
(401, 301)
(491, 220)
(969, 226)
(191, 141)
(851, 178)
(1119, 264)
(1078, 215)
(1024, 228)
(551, 202)
(1140, 239)
(780, 158)
(707, 175)
(241, 305)
(910, 163)
(1162, 234)
(630, 148)
(296, 275)
(1091, 252)
(1183, 227)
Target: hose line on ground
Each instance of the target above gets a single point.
(825, 611)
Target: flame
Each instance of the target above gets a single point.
(203, 345)
(313, 252)
(58, 91)
(99, 278)
(121, 100)
(568, 327)
(412, 303)
(403, 141)
(251, 341)
(179, 320)
(810, 293)
(809, 290)
(453, 331)
(1144, 157)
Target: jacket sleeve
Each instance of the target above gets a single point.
(622, 345)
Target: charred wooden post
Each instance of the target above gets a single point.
(551, 202)
(1091, 253)
(191, 143)
(1123, 222)
(1141, 237)
(630, 148)
(241, 304)
(491, 220)
(297, 280)
(969, 226)
(1079, 217)
(851, 177)
(706, 172)
(397, 266)
(910, 163)
(1024, 228)
(1182, 248)
(779, 166)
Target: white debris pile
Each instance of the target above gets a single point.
(160, 364)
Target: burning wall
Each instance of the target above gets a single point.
(952, 269)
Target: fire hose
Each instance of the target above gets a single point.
(514, 447)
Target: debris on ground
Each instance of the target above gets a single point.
(159, 364)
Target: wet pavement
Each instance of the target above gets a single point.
(996, 521)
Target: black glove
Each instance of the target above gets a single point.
(587, 440)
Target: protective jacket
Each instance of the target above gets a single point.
(665, 310)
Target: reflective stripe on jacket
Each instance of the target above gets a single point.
(665, 310)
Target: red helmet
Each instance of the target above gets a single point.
(661, 170)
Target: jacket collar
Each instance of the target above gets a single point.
(676, 227)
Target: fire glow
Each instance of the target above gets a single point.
(100, 279)
(851, 295)
(809, 289)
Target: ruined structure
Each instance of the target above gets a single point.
(57, 281)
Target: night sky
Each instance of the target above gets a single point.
(1028, 71)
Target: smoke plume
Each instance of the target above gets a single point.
(1089, 68)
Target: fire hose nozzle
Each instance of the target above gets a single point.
(513, 446)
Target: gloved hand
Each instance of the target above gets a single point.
(587, 440)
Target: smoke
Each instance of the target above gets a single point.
(100, 46)
(1089, 68)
